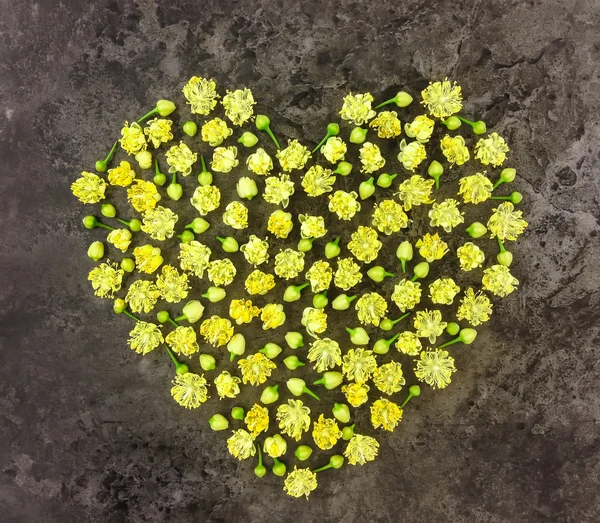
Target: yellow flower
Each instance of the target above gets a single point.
(236, 215)
(238, 105)
(315, 320)
(183, 341)
(356, 393)
(443, 290)
(499, 281)
(106, 279)
(442, 99)
(415, 191)
(312, 226)
(259, 162)
(357, 108)
(259, 282)
(159, 223)
(122, 175)
(241, 444)
(194, 257)
(293, 418)
(371, 308)
(388, 378)
(216, 330)
(145, 337)
(432, 247)
(280, 223)
(475, 189)
(455, 150)
(180, 159)
(143, 195)
(89, 188)
(215, 131)
(411, 154)
(347, 274)
(256, 368)
(275, 446)
(318, 180)
(224, 159)
(334, 149)
(289, 263)
(173, 287)
(385, 414)
(243, 311)
(158, 131)
(120, 238)
(221, 272)
(132, 138)
(407, 295)
(421, 128)
(408, 343)
(429, 324)
(387, 124)
(294, 156)
(476, 308)
(300, 482)
(272, 316)
(389, 217)
(358, 364)
(206, 198)
(147, 258)
(189, 390)
(319, 275)
(446, 214)
(344, 204)
(491, 150)
(506, 223)
(326, 432)
(361, 449)
(325, 353)
(142, 295)
(256, 251)
(370, 158)
(278, 190)
(470, 256)
(227, 385)
(257, 419)
(435, 367)
(201, 94)
(364, 244)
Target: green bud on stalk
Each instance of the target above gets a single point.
(341, 412)
(378, 274)
(271, 350)
(199, 225)
(305, 244)
(358, 336)
(333, 129)
(348, 432)
(190, 128)
(420, 271)
(413, 392)
(263, 123)
(385, 180)
(298, 387)
(335, 462)
(387, 324)
(402, 99)
(236, 346)
(466, 336)
(320, 301)
(404, 253)
(342, 302)
(292, 362)
(435, 170)
(270, 394)
(229, 244)
(108, 210)
(332, 249)
(366, 189)
(343, 169)
(452, 123)
(293, 292)
(330, 380)
(214, 294)
(383, 346)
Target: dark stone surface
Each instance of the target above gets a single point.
(88, 429)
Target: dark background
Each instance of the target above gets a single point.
(88, 430)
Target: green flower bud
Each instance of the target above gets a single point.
(386, 324)
(378, 274)
(127, 264)
(96, 251)
(294, 340)
(101, 166)
(192, 311)
(119, 305)
(342, 302)
(190, 128)
(159, 179)
(278, 440)
(421, 270)
(279, 468)
(248, 139)
(385, 180)
(260, 471)
(358, 336)
(207, 362)
(303, 452)
(236, 345)
(505, 258)
(333, 129)
(404, 253)
(335, 462)
(516, 197)
(214, 294)
(332, 249)
(89, 222)
(383, 346)
(163, 316)
(476, 230)
(108, 210)
(271, 350)
(403, 99)
(330, 380)
(320, 301)
(144, 159)
(246, 188)
(348, 432)
(218, 422)
(343, 169)
(270, 394)
(292, 362)
(135, 225)
(238, 413)
(165, 107)
(366, 189)
(175, 191)
(435, 170)
(508, 175)
(413, 391)
(467, 336)
(229, 244)
(181, 369)
(341, 412)
(358, 135)
(186, 236)
(453, 328)
(452, 123)
(199, 225)
(262, 122)
(205, 178)
(305, 244)
(293, 292)
(479, 127)
(298, 387)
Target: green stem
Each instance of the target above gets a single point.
(500, 197)
(414, 278)
(501, 245)
(321, 143)
(401, 318)
(174, 178)
(112, 151)
(437, 182)
(319, 382)
(175, 361)
(464, 120)
(100, 224)
(156, 168)
(388, 274)
(123, 222)
(324, 467)
(127, 313)
(259, 454)
(410, 395)
(270, 133)
(232, 356)
(392, 340)
(171, 320)
(403, 263)
(311, 393)
(203, 164)
(148, 115)
(451, 342)
(300, 287)
(181, 318)
(391, 100)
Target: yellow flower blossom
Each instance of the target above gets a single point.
(371, 308)
(147, 258)
(241, 444)
(132, 138)
(435, 367)
(216, 330)
(387, 124)
(347, 274)
(293, 418)
(89, 188)
(506, 223)
(236, 215)
(388, 378)
(358, 364)
(407, 294)
(357, 108)
(491, 150)
(106, 279)
(455, 150)
(159, 223)
(315, 320)
(224, 159)
(243, 311)
(409, 343)
(182, 340)
(326, 432)
(259, 162)
(385, 414)
(389, 217)
(256, 251)
(334, 149)
(206, 198)
(201, 94)
(227, 385)
(142, 296)
(189, 390)
(361, 449)
(173, 287)
(143, 195)
(319, 275)
(275, 446)
(256, 368)
(180, 159)
(499, 281)
(259, 282)
(120, 238)
(420, 128)
(318, 180)
(443, 290)
(429, 324)
(278, 190)
(411, 154)
(280, 224)
(239, 105)
(364, 244)
(446, 214)
(289, 263)
(312, 226)
(356, 393)
(344, 204)
(122, 175)
(300, 482)
(194, 257)
(432, 247)
(294, 156)
(145, 337)
(476, 188)
(272, 316)
(221, 272)
(470, 256)
(158, 131)
(215, 131)
(442, 99)
(257, 419)
(474, 307)
(370, 158)
(415, 191)
(325, 353)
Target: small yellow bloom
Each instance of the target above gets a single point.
(158, 131)
(356, 393)
(227, 385)
(183, 341)
(275, 446)
(506, 223)
(359, 364)
(243, 311)
(280, 224)
(415, 191)
(361, 449)
(189, 390)
(106, 279)
(122, 175)
(221, 272)
(278, 190)
(476, 188)
(389, 217)
(143, 195)
(325, 353)
(120, 238)
(326, 432)
(239, 105)
(241, 444)
(334, 149)
(132, 138)
(371, 308)
(364, 244)
(344, 204)
(259, 282)
(216, 330)
(357, 108)
(347, 274)
(370, 158)
(455, 150)
(89, 188)
(293, 418)
(388, 378)
(407, 294)
(206, 198)
(224, 159)
(215, 131)
(435, 367)
(256, 368)
(142, 296)
(256, 251)
(411, 154)
(294, 156)
(173, 287)
(180, 159)
(236, 215)
(476, 308)
(387, 124)
(201, 94)
(194, 257)
(159, 223)
(312, 226)
(432, 247)
(318, 180)
(470, 256)
(319, 275)
(145, 337)
(429, 324)
(446, 214)
(499, 281)
(385, 414)
(259, 162)
(421, 128)
(289, 263)
(272, 316)
(257, 419)
(443, 290)
(442, 99)
(300, 482)
(409, 343)
(315, 320)
(491, 150)
(147, 258)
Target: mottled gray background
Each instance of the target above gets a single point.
(88, 430)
